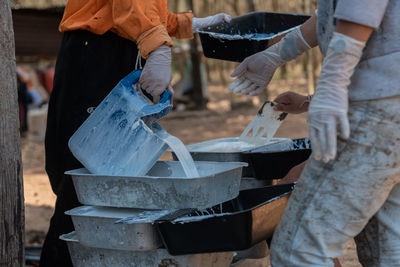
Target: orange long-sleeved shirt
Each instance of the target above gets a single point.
(146, 22)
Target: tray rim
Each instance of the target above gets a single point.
(275, 13)
(205, 31)
(293, 185)
(74, 212)
(75, 172)
(280, 139)
(280, 151)
(275, 152)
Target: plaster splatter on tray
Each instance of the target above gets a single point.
(249, 36)
(245, 36)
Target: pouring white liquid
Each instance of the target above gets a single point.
(183, 155)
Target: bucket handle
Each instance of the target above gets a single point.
(133, 78)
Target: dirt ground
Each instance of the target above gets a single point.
(221, 119)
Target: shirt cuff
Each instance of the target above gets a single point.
(184, 27)
(151, 39)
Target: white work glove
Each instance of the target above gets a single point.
(199, 23)
(156, 76)
(329, 106)
(256, 71)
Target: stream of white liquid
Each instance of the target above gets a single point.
(183, 155)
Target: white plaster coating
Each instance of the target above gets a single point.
(114, 141)
(264, 125)
(228, 145)
(246, 36)
(149, 216)
(119, 137)
(103, 212)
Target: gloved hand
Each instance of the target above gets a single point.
(156, 75)
(329, 105)
(198, 23)
(292, 103)
(256, 71)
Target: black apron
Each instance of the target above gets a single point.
(87, 69)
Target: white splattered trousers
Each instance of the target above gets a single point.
(359, 192)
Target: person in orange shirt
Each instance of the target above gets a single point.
(101, 43)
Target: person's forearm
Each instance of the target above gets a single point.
(309, 31)
(354, 30)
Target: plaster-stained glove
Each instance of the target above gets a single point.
(156, 76)
(256, 71)
(329, 106)
(198, 23)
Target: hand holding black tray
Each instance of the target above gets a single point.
(270, 26)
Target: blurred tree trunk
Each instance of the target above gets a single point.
(221, 72)
(205, 11)
(251, 6)
(275, 5)
(310, 57)
(205, 8)
(11, 189)
(198, 97)
(236, 7)
(175, 6)
(284, 71)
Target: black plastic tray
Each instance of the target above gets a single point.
(275, 165)
(262, 165)
(251, 218)
(255, 22)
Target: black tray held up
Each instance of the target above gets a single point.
(264, 164)
(275, 165)
(238, 39)
(247, 220)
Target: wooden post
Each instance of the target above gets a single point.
(11, 188)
